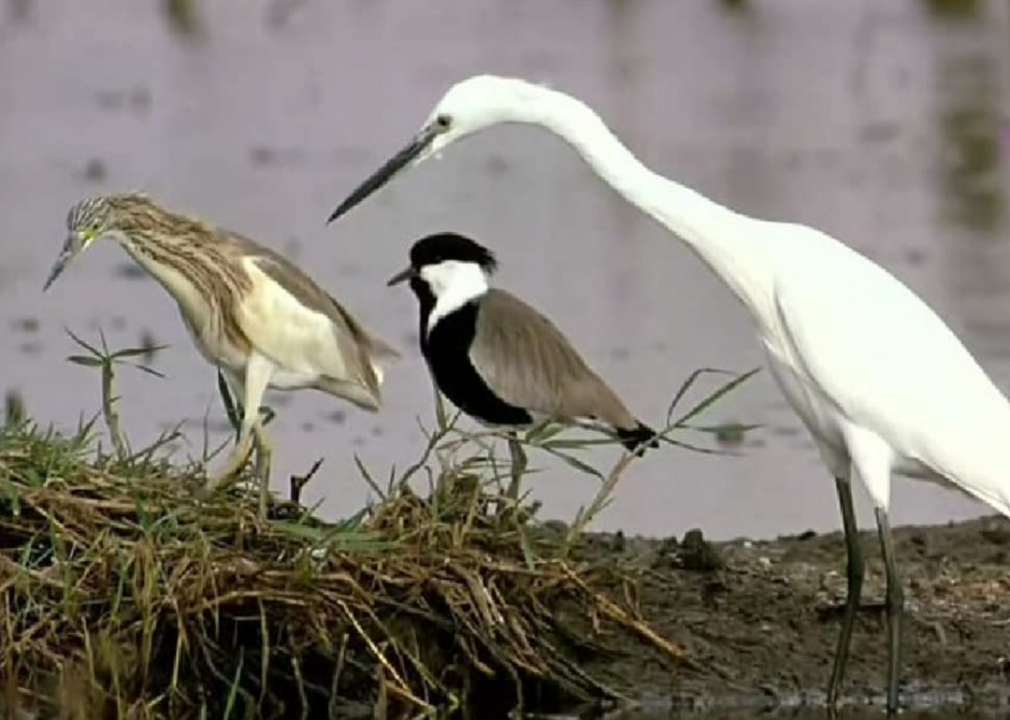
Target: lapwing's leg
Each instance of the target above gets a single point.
(518, 467)
(854, 574)
(258, 372)
(895, 605)
(264, 456)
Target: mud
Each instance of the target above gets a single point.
(759, 620)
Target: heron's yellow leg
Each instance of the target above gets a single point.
(236, 461)
(264, 456)
(258, 372)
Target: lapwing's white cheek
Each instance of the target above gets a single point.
(454, 283)
(455, 277)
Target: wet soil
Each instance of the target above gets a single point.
(759, 620)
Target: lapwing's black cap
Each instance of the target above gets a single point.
(440, 247)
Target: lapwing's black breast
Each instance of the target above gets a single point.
(447, 350)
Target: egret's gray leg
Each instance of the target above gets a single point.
(264, 456)
(895, 605)
(518, 467)
(258, 372)
(854, 575)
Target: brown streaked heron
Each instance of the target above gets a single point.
(250, 311)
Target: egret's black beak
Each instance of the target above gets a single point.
(70, 249)
(383, 175)
(401, 276)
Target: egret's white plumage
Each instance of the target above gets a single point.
(881, 382)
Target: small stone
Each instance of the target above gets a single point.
(668, 548)
(997, 535)
(696, 553)
(620, 542)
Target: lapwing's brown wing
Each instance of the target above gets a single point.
(528, 363)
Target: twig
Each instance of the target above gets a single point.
(300, 481)
(615, 613)
(403, 687)
(598, 502)
(110, 413)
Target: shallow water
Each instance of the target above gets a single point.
(860, 713)
(881, 123)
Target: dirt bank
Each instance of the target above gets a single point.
(125, 593)
(759, 620)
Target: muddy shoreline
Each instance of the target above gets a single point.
(759, 619)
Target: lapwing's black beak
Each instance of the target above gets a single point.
(401, 276)
(421, 142)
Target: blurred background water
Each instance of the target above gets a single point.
(849, 713)
(883, 123)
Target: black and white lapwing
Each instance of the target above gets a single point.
(498, 359)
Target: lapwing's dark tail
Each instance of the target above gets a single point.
(639, 438)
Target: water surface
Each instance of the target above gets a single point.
(878, 122)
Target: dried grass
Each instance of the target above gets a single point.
(124, 595)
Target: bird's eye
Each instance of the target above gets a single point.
(442, 122)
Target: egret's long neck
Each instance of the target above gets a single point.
(718, 235)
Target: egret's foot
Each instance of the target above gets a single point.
(854, 571)
(836, 610)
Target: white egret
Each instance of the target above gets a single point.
(883, 385)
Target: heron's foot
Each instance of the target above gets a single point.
(230, 472)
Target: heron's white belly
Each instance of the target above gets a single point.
(299, 340)
(287, 380)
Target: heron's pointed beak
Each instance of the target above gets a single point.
(401, 276)
(70, 249)
(414, 151)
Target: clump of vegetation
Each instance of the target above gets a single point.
(122, 594)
